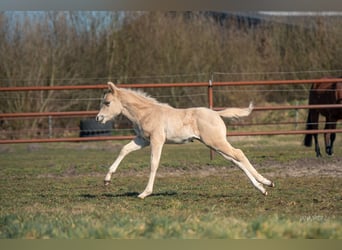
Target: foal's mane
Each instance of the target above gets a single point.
(143, 96)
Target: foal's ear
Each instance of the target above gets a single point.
(112, 87)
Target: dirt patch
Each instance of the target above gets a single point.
(331, 166)
(308, 167)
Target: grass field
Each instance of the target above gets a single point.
(56, 191)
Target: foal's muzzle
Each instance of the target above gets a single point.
(99, 118)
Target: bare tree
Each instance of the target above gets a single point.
(77, 47)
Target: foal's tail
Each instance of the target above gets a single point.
(236, 112)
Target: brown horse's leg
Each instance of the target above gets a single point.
(329, 138)
(312, 124)
(317, 149)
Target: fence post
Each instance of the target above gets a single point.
(296, 116)
(210, 105)
(50, 126)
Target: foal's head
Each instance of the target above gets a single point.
(111, 105)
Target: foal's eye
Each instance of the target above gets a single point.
(106, 103)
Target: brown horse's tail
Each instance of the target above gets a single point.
(310, 123)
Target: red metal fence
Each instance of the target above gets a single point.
(209, 85)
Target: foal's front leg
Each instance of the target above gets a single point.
(136, 144)
(156, 149)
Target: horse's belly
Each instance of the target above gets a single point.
(179, 140)
(180, 128)
(180, 137)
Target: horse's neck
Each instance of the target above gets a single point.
(134, 106)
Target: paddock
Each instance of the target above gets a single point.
(55, 189)
(58, 192)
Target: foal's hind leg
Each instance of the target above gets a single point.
(134, 145)
(239, 158)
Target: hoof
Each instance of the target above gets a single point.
(266, 193)
(106, 183)
(329, 151)
(144, 194)
(141, 196)
(272, 185)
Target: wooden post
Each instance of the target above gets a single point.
(50, 126)
(210, 105)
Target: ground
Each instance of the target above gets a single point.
(56, 191)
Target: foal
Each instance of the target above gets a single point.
(157, 123)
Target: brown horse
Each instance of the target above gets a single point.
(324, 93)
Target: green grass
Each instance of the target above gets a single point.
(56, 191)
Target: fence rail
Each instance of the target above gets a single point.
(129, 137)
(170, 85)
(94, 112)
(209, 85)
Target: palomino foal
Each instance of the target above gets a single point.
(156, 124)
